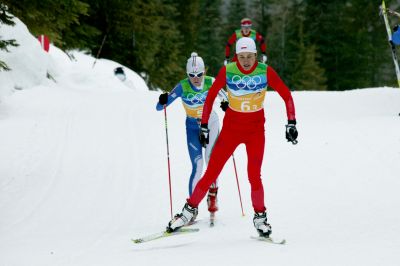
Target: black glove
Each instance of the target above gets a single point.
(204, 135)
(291, 132)
(163, 99)
(224, 105)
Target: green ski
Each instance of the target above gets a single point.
(164, 234)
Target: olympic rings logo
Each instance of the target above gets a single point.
(197, 98)
(246, 81)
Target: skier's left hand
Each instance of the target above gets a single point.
(291, 132)
(264, 58)
(204, 135)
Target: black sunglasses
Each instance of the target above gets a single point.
(198, 75)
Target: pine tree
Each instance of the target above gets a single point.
(168, 57)
(189, 23)
(278, 35)
(305, 73)
(291, 52)
(114, 22)
(142, 35)
(259, 15)
(157, 42)
(349, 43)
(236, 12)
(83, 33)
(5, 18)
(48, 17)
(210, 43)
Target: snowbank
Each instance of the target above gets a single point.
(32, 66)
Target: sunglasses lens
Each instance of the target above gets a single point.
(196, 75)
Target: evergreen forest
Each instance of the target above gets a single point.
(312, 44)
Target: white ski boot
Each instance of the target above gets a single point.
(186, 216)
(264, 229)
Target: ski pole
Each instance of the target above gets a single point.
(392, 46)
(98, 52)
(237, 181)
(169, 168)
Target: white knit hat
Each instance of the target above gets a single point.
(246, 44)
(195, 64)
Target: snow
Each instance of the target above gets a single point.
(83, 169)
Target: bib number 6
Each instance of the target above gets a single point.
(245, 106)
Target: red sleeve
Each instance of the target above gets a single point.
(261, 40)
(220, 82)
(275, 82)
(231, 41)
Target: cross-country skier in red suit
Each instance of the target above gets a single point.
(245, 31)
(246, 81)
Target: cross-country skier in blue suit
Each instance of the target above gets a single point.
(193, 91)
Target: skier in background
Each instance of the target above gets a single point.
(120, 73)
(193, 91)
(396, 35)
(396, 29)
(246, 81)
(245, 31)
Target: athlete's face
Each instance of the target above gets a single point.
(246, 60)
(196, 78)
(246, 30)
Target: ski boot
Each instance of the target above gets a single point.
(264, 229)
(188, 213)
(193, 220)
(212, 201)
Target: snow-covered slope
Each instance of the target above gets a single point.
(83, 169)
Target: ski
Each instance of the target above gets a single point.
(212, 219)
(392, 46)
(164, 234)
(269, 240)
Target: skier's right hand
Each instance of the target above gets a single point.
(163, 99)
(226, 61)
(204, 135)
(291, 132)
(224, 105)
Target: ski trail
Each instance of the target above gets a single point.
(33, 169)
